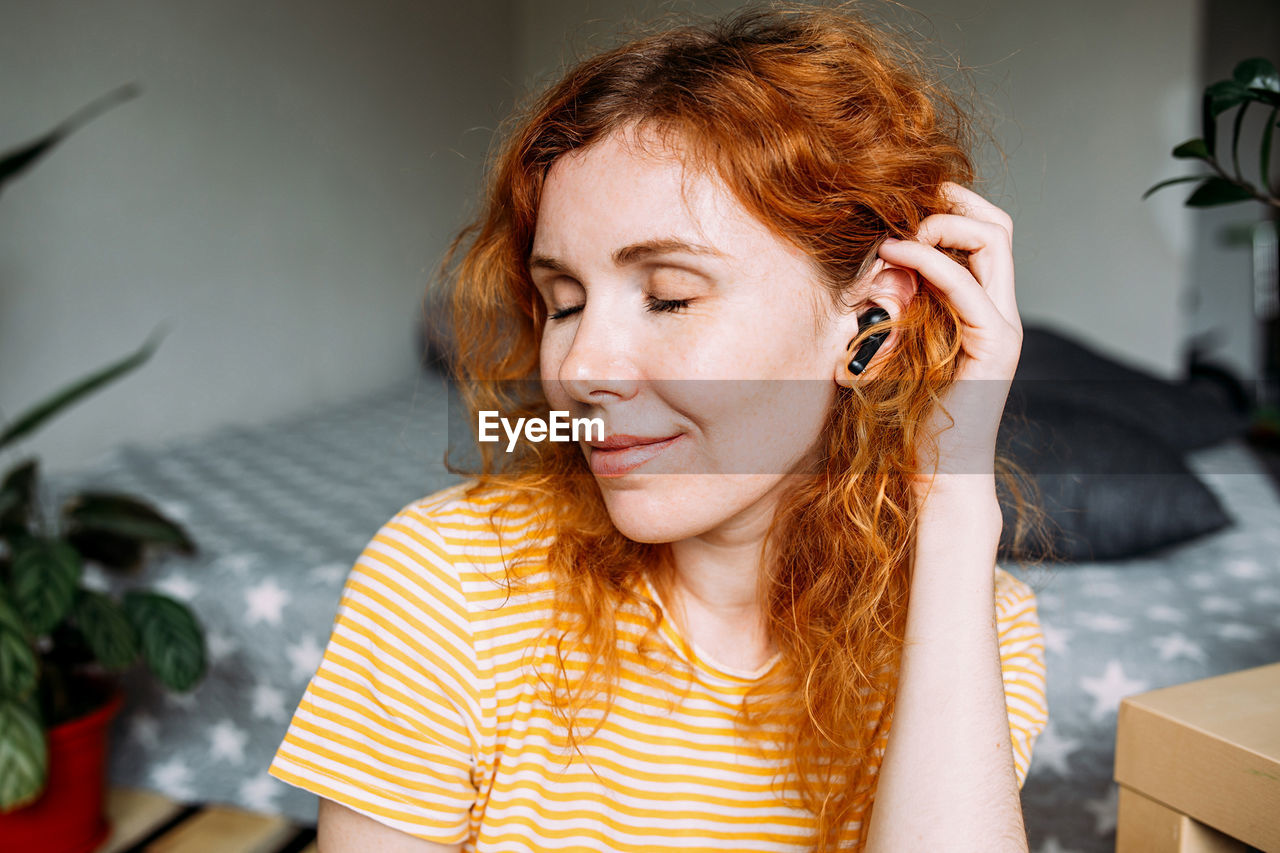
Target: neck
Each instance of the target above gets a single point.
(721, 568)
(714, 594)
(721, 578)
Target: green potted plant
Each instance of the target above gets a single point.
(1253, 82)
(61, 642)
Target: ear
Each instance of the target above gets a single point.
(888, 287)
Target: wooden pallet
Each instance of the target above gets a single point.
(144, 821)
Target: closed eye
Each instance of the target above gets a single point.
(564, 312)
(656, 305)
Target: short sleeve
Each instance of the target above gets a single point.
(388, 725)
(1022, 666)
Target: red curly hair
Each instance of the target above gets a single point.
(832, 132)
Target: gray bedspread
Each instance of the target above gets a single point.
(280, 513)
(1202, 608)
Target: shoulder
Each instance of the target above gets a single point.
(474, 510)
(459, 547)
(1013, 595)
(429, 573)
(474, 528)
(1018, 626)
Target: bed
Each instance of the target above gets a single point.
(281, 511)
(1198, 609)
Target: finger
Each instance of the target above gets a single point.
(972, 204)
(959, 285)
(991, 258)
(962, 232)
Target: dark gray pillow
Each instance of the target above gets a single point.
(1109, 490)
(1186, 415)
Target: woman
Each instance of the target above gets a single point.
(693, 631)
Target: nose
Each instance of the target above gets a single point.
(600, 364)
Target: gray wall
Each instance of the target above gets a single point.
(1086, 100)
(278, 196)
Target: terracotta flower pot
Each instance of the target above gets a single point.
(69, 817)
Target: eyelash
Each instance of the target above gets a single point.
(673, 306)
(657, 306)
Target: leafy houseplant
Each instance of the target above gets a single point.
(1253, 81)
(60, 640)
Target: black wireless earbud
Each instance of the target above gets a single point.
(871, 344)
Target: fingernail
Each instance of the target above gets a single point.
(891, 240)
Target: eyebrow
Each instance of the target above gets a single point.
(633, 254)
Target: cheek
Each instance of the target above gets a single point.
(754, 339)
(709, 348)
(757, 426)
(548, 369)
(557, 399)
(551, 354)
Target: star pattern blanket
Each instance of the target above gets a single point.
(280, 513)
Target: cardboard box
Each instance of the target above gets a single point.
(1207, 751)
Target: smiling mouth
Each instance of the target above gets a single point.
(620, 454)
(621, 441)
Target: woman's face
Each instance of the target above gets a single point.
(673, 314)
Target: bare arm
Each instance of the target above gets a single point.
(947, 781)
(342, 830)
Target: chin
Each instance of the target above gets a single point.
(653, 514)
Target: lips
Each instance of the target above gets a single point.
(620, 454)
(622, 441)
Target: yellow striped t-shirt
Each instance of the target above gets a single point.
(425, 716)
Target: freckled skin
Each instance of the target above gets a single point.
(751, 318)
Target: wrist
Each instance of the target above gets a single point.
(975, 490)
